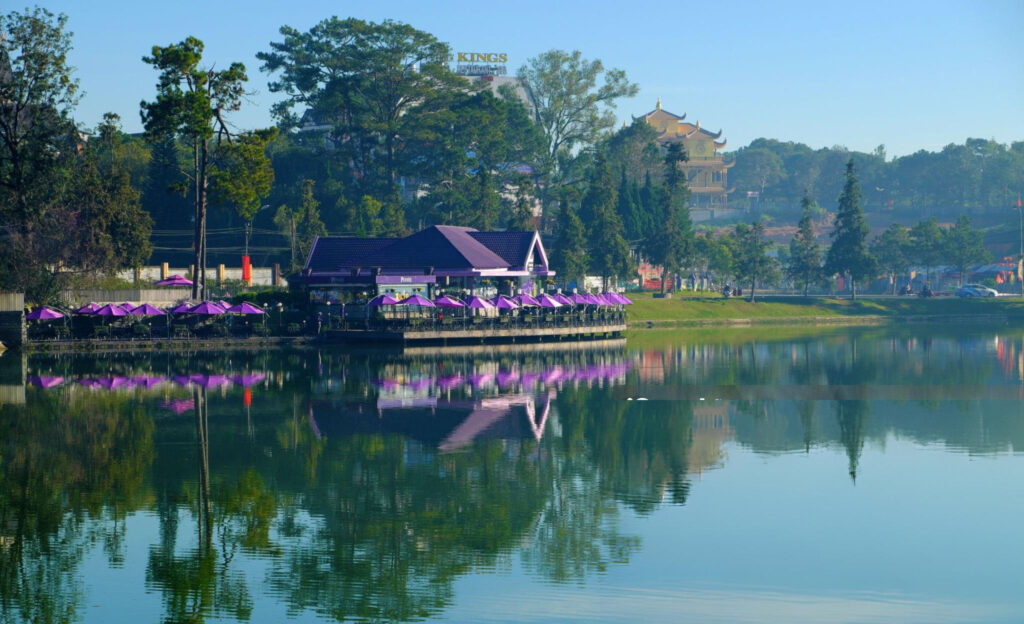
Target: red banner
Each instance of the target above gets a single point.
(246, 270)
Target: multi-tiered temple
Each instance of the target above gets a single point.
(706, 170)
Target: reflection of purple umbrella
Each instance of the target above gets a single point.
(546, 301)
(448, 302)
(507, 377)
(420, 384)
(46, 382)
(525, 300)
(207, 308)
(504, 303)
(112, 383)
(479, 303)
(247, 381)
(146, 382)
(174, 280)
(42, 314)
(479, 381)
(553, 375)
(147, 309)
(88, 383)
(111, 310)
(89, 308)
(529, 379)
(416, 300)
(382, 300)
(386, 384)
(245, 308)
(181, 380)
(179, 406)
(449, 382)
(209, 381)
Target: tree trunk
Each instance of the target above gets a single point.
(853, 288)
(664, 274)
(753, 286)
(204, 159)
(197, 237)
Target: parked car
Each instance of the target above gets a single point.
(975, 290)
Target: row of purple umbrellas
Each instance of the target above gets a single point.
(550, 376)
(206, 308)
(147, 381)
(556, 300)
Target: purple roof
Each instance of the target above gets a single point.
(511, 246)
(439, 246)
(331, 252)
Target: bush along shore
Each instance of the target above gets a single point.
(691, 311)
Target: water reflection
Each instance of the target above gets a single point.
(362, 487)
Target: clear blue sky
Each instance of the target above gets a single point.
(911, 75)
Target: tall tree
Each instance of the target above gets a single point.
(608, 251)
(964, 246)
(570, 259)
(751, 256)
(242, 176)
(364, 80)
(301, 224)
(804, 251)
(671, 239)
(848, 253)
(926, 245)
(37, 93)
(191, 104)
(891, 249)
(571, 107)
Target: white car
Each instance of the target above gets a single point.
(975, 290)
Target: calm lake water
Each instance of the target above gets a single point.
(848, 475)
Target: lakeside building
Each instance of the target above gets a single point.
(706, 169)
(439, 259)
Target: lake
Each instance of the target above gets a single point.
(768, 475)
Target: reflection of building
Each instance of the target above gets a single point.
(709, 430)
(706, 170)
(438, 259)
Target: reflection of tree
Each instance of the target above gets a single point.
(852, 417)
(69, 472)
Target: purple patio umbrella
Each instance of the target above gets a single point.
(245, 308)
(174, 280)
(547, 301)
(46, 382)
(181, 309)
(111, 310)
(127, 306)
(448, 302)
(478, 303)
(625, 300)
(525, 300)
(613, 297)
(89, 308)
(42, 314)
(147, 309)
(207, 308)
(596, 299)
(580, 299)
(382, 300)
(504, 303)
(416, 300)
(562, 299)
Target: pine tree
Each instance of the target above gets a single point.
(890, 248)
(964, 246)
(670, 241)
(609, 251)
(571, 252)
(804, 251)
(848, 253)
(392, 217)
(751, 256)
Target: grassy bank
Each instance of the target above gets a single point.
(699, 311)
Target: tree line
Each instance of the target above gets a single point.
(972, 177)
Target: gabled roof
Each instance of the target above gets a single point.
(513, 247)
(331, 252)
(439, 246)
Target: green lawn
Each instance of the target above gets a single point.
(646, 308)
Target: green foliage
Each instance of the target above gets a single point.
(848, 253)
(670, 241)
(301, 224)
(891, 249)
(804, 265)
(926, 245)
(243, 176)
(751, 256)
(570, 260)
(963, 246)
(608, 250)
